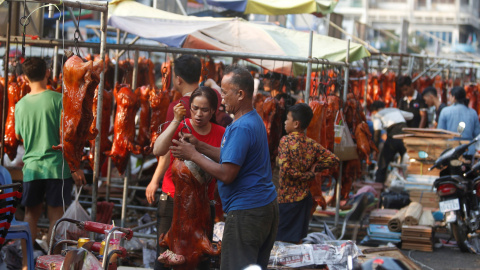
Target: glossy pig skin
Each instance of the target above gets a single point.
(105, 143)
(272, 118)
(143, 138)
(189, 234)
(124, 127)
(159, 101)
(333, 106)
(364, 142)
(80, 80)
(15, 93)
(316, 130)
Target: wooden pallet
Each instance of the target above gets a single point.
(417, 238)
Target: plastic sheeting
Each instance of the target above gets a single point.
(228, 34)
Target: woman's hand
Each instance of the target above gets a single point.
(179, 112)
(182, 150)
(151, 191)
(190, 138)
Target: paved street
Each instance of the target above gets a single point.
(444, 258)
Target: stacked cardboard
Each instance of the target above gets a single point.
(428, 199)
(417, 238)
(381, 216)
(431, 141)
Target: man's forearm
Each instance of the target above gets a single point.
(221, 172)
(423, 120)
(209, 151)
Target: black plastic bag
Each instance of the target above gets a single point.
(394, 200)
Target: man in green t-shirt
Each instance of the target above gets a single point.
(37, 122)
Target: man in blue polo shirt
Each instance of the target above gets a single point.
(244, 176)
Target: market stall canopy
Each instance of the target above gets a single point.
(147, 22)
(275, 7)
(245, 37)
(232, 35)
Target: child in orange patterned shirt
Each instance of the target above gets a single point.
(300, 158)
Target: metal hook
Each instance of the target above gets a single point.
(184, 121)
(76, 34)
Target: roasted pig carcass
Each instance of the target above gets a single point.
(351, 171)
(105, 143)
(80, 80)
(146, 72)
(390, 90)
(125, 71)
(124, 127)
(159, 102)
(272, 118)
(364, 142)
(166, 75)
(333, 106)
(188, 239)
(11, 142)
(143, 94)
(353, 113)
(472, 95)
(219, 69)
(316, 130)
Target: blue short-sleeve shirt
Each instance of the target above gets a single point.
(245, 144)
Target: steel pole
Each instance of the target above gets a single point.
(5, 90)
(125, 194)
(101, 86)
(55, 50)
(345, 91)
(309, 69)
(149, 48)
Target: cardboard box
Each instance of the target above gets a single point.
(421, 168)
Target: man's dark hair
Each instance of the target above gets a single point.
(241, 78)
(35, 68)
(430, 91)
(303, 113)
(404, 80)
(377, 105)
(188, 67)
(460, 95)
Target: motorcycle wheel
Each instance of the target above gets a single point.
(459, 229)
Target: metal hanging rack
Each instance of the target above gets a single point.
(103, 7)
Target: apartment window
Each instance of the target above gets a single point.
(445, 36)
(422, 3)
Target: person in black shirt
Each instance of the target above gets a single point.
(430, 97)
(412, 102)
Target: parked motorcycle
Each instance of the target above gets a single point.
(458, 190)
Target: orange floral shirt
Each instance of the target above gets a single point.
(297, 155)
